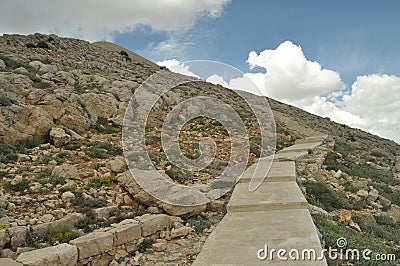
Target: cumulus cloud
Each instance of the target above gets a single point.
(376, 100)
(290, 77)
(102, 19)
(177, 67)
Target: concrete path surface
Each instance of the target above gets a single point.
(273, 217)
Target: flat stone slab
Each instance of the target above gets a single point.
(290, 156)
(269, 196)
(279, 171)
(301, 147)
(239, 236)
(63, 255)
(312, 139)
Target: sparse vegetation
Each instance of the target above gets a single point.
(98, 182)
(7, 101)
(42, 44)
(320, 194)
(18, 186)
(145, 244)
(61, 235)
(199, 222)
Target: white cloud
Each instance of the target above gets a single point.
(177, 67)
(102, 19)
(376, 100)
(290, 77)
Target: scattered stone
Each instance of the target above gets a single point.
(18, 236)
(365, 217)
(153, 210)
(67, 196)
(2, 65)
(104, 212)
(152, 223)
(217, 206)
(384, 201)
(183, 231)
(58, 137)
(159, 246)
(116, 165)
(362, 193)
(125, 233)
(373, 195)
(355, 226)
(345, 217)
(66, 170)
(3, 238)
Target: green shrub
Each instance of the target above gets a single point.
(8, 153)
(42, 44)
(47, 177)
(30, 45)
(98, 182)
(81, 202)
(145, 244)
(46, 158)
(3, 213)
(7, 101)
(19, 186)
(199, 222)
(29, 143)
(331, 231)
(325, 196)
(62, 235)
(124, 53)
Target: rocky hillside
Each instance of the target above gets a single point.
(63, 174)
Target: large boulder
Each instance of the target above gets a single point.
(58, 137)
(93, 244)
(126, 180)
(66, 170)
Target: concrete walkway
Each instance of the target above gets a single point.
(274, 216)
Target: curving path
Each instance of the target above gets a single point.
(275, 215)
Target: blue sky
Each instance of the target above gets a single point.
(337, 59)
(352, 37)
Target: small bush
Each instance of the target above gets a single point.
(46, 158)
(8, 153)
(30, 45)
(29, 143)
(42, 44)
(62, 235)
(81, 202)
(98, 165)
(98, 182)
(7, 101)
(47, 177)
(19, 186)
(145, 244)
(124, 53)
(199, 222)
(324, 196)
(4, 227)
(3, 213)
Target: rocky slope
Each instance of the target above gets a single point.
(62, 170)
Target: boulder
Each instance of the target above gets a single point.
(104, 212)
(126, 180)
(182, 231)
(18, 236)
(9, 262)
(3, 238)
(43, 67)
(152, 223)
(67, 196)
(373, 195)
(63, 255)
(93, 244)
(58, 137)
(116, 165)
(124, 233)
(2, 65)
(66, 170)
(362, 193)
